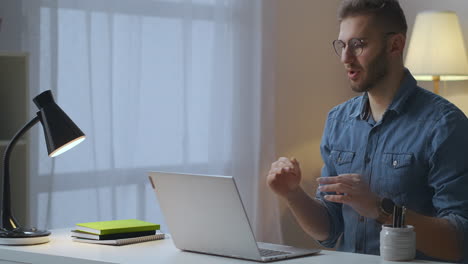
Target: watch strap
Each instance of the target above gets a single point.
(385, 210)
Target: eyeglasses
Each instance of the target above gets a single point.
(355, 45)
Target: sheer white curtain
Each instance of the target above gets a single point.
(155, 85)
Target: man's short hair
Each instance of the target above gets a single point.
(387, 13)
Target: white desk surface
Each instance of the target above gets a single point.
(62, 250)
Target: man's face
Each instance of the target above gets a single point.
(368, 69)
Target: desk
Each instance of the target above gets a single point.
(62, 250)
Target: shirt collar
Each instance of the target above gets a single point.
(363, 109)
(407, 87)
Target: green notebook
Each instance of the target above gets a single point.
(117, 226)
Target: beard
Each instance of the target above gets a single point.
(377, 70)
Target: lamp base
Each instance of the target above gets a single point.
(23, 236)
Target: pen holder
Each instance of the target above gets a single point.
(397, 243)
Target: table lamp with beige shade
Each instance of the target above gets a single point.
(436, 49)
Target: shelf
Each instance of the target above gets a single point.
(13, 115)
(4, 143)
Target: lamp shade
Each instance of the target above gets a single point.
(60, 131)
(437, 48)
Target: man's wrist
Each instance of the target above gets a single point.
(292, 194)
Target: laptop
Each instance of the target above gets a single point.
(205, 214)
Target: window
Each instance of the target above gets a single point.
(155, 85)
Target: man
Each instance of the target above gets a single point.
(395, 144)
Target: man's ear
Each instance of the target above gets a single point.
(397, 43)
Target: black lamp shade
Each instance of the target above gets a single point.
(60, 131)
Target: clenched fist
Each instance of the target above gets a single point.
(284, 176)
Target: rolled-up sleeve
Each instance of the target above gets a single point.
(448, 174)
(334, 210)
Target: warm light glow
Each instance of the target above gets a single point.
(442, 78)
(437, 48)
(67, 146)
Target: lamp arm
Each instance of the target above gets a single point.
(7, 220)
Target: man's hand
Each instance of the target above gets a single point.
(284, 176)
(350, 189)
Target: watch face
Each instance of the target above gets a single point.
(387, 205)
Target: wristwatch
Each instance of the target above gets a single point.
(385, 210)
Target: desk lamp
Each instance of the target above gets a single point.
(436, 50)
(61, 134)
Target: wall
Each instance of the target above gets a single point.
(10, 30)
(310, 81)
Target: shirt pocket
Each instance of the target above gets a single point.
(397, 173)
(342, 160)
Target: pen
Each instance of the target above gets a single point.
(398, 216)
(403, 215)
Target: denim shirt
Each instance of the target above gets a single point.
(417, 155)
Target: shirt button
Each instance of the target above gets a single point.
(361, 219)
(395, 163)
(367, 159)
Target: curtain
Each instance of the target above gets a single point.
(177, 86)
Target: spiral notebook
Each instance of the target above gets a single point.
(122, 241)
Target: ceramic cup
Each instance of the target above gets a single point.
(397, 243)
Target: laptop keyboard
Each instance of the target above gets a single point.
(270, 253)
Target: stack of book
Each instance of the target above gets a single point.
(116, 232)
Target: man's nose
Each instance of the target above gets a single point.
(347, 56)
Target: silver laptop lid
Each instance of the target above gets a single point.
(205, 214)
